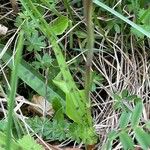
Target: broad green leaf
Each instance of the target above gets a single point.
(59, 25)
(124, 119)
(61, 83)
(142, 137)
(76, 108)
(136, 115)
(126, 141)
(59, 109)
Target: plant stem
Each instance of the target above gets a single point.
(88, 11)
(11, 99)
(14, 6)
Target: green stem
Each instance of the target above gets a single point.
(67, 5)
(88, 11)
(11, 99)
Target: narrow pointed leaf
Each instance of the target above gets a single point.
(125, 19)
(124, 119)
(126, 141)
(111, 136)
(142, 137)
(136, 115)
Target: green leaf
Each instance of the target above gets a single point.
(117, 105)
(38, 56)
(59, 25)
(117, 28)
(136, 115)
(137, 33)
(138, 99)
(142, 138)
(117, 97)
(126, 141)
(147, 124)
(36, 65)
(82, 132)
(35, 42)
(124, 93)
(32, 78)
(81, 34)
(131, 97)
(124, 119)
(144, 16)
(14, 144)
(59, 109)
(59, 82)
(111, 136)
(55, 130)
(3, 125)
(108, 145)
(28, 143)
(76, 108)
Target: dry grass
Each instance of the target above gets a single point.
(123, 66)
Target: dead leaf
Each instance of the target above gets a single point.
(3, 30)
(41, 104)
(52, 147)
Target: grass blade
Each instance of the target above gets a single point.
(14, 80)
(136, 115)
(142, 138)
(126, 141)
(124, 119)
(140, 29)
